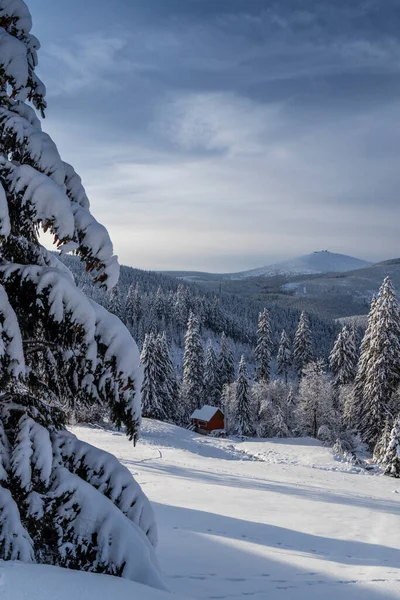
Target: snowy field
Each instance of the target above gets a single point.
(292, 523)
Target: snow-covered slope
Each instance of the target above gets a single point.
(316, 262)
(264, 519)
(19, 581)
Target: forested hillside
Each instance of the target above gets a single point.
(151, 302)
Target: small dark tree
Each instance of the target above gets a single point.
(284, 358)
(302, 352)
(264, 347)
(226, 363)
(243, 416)
(212, 393)
(391, 460)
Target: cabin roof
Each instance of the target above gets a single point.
(205, 413)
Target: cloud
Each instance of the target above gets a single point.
(87, 62)
(227, 137)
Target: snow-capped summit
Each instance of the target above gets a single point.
(321, 261)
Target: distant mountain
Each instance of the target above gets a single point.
(315, 263)
(309, 264)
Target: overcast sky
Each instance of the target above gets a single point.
(222, 135)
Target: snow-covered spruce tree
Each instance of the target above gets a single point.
(212, 393)
(62, 502)
(302, 346)
(192, 389)
(315, 400)
(284, 358)
(383, 442)
(391, 460)
(114, 302)
(133, 306)
(159, 388)
(168, 378)
(343, 358)
(152, 399)
(226, 362)
(379, 372)
(264, 347)
(354, 401)
(243, 413)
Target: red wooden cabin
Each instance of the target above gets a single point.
(207, 419)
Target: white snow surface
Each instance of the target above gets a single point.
(205, 413)
(19, 581)
(262, 519)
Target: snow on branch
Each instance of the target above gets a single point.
(11, 350)
(123, 354)
(13, 61)
(5, 226)
(63, 296)
(49, 202)
(95, 246)
(104, 472)
(15, 542)
(35, 146)
(74, 187)
(32, 456)
(18, 12)
(120, 547)
(5, 454)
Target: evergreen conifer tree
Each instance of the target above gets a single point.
(378, 374)
(343, 358)
(315, 400)
(243, 413)
(302, 350)
(226, 363)
(114, 304)
(168, 379)
(263, 347)
(353, 406)
(284, 358)
(382, 444)
(391, 459)
(62, 502)
(153, 397)
(212, 393)
(192, 391)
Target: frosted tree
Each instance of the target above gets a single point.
(315, 400)
(226, 362)
(391, 459)
(212, 393)
(168, 379)
(264, 347)
(114, 302)
(302, 346)
(243, 413)
(159, 303)
(62, 502)
(382, 444)
(192, 390)
(354, 403)
(284, 358)
(379, 370)
(343, 358)
(133, 305)
(152, 386)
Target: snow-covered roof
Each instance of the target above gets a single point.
(205, 413)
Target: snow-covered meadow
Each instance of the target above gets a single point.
(263, 518)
